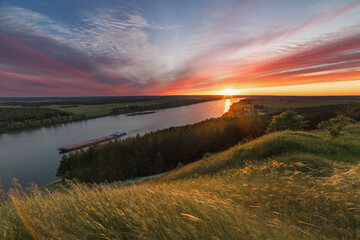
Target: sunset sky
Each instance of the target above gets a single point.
(157, 47)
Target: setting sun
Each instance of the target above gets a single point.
(229, 92)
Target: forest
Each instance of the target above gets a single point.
(315, 115)
(19, 118)
(159, 151)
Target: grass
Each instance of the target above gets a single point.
(286, 185)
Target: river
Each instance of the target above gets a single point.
(33, 156)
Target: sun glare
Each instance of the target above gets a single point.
(229, 92)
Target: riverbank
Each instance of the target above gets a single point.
(18, 114)
(38, 159)
(140, 113)
(158, 151)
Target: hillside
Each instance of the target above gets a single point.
(285, 185)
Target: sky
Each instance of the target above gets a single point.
(165, 47)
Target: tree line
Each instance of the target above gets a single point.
(46, 101)
(159, 151)
(169, 103)
(315, 115)
(18, 118)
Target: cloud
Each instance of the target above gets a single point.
(119, 51)
(108, 46)
(253, 61)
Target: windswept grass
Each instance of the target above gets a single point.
(288, 185)
(345, 149)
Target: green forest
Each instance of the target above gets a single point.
(315, 115)
(159, 151)
(19, 118)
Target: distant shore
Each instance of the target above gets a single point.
(140, 113)
(31, 113)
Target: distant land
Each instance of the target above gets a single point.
(19, 113)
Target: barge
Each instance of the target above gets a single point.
(90, 142)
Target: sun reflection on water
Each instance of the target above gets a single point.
(227, 105)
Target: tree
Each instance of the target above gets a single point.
(334, 126)
(158, 163)
(288, 120)
(19, 125)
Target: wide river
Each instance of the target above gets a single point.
(33, 156)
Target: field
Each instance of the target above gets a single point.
(270, 104)
(98, 110)
(284, 185)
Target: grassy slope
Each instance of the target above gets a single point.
(288, 185)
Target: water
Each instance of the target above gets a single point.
(33, 156)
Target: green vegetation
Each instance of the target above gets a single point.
(334, 126)
(158, 151)
(18, 118)
(288, 120)
(284, 185)
(140, 113)
(313, 109)
(26, 113)
(314, 115)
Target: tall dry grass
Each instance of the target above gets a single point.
(282, 186)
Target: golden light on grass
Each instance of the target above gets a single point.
(239, 193)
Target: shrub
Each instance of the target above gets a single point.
(288, 120)
(334, 126)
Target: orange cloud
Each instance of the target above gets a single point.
(330, 60)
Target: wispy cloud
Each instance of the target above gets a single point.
(107, 44)
(120, 51)
(277, 57)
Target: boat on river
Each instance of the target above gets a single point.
(91, 142)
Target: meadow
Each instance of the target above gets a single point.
(283, 185)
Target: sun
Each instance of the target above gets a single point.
(229, 92)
